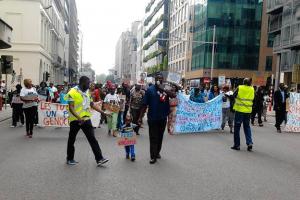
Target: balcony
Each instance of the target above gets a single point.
(275, 6)
(277, 43)
(275, 23)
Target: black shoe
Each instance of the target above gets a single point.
(102, 162)
(249, 147)
(158, 156)
(138, 134)
(152, 161)
(72, 162)
(127, 157)
(235, 148)
(132, 158)
(278, 130)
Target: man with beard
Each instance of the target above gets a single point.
(157, 101)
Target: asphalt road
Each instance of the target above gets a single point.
(192, 167)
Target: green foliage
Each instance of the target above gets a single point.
(110, 78)
(152, 55)
(156, 9)
(149, 5)
(101, 78)
(156, 23)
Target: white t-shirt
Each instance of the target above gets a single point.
(112, 99)
(29, 94)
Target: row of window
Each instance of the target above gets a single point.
(177, 51)
(180, 66)
(178, 33)
(178, 16)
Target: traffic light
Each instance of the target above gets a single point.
(47, 76)
(6, 64)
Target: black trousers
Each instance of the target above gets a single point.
(30, 115)
(88, 130)
(135, 114)
(156, 134)
(279, 117)
(17, 113)
(257, 111)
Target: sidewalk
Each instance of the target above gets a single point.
(5, 114)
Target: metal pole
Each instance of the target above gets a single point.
(81, 50)
(6, 93)
(213, 54)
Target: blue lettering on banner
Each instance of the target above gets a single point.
(51, 113)
(192, 117)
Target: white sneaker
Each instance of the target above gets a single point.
(12, 126)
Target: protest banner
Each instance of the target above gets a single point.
(293, 116)
(56, 115)
(127, 138)
(192, 117)
(53, 114)
(96, 116)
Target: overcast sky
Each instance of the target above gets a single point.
(102, 22)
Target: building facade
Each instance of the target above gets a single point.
(73, 41)
(180, 24)
(238, 31)
(126, 64)
(40, 40)
(139, 52)
(284, 28)
(155, 32)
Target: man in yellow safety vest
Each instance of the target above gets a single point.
(244, 96)
(80, 118)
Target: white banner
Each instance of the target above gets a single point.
(56, 115)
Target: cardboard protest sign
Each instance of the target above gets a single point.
(127, 137)
(293, 117)
(111, 107)
(192, 117)
(53, 114)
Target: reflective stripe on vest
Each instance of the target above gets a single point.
(244, 100)
(77, 99)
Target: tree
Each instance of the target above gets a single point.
(165, 63)
(101, 78)
(110, 78)
(87, 65)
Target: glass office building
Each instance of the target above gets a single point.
(238, 30)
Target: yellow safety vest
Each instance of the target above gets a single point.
(76, 96)
(244, 100)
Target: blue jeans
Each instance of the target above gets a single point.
(120, 120)
(130, 150)
(238, 120)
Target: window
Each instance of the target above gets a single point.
(269, 60)
(270, 40)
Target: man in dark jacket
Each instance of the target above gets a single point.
(280, 97)
(258, 105)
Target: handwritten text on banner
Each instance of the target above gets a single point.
(293, 117)
(194, 117)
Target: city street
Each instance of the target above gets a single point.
(192, 167)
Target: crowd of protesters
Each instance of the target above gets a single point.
(241, 105)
